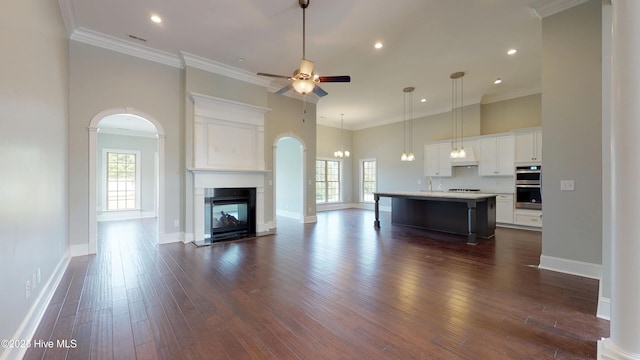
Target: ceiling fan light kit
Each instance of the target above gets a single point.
(304, 80)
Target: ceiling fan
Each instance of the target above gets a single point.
(303, 79)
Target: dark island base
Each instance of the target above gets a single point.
(449, 217)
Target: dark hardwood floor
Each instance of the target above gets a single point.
(337, 289)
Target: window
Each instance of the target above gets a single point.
(368, 178)
(327, 181)
(122, 188)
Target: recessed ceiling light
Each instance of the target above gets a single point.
(156, 19)
(498, 81)
(512, 51)
(378, 45)
(423, 100)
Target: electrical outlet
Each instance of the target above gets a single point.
(27, 289)
(34, 280)
(567, 185)
(176, 223)
(38, 276)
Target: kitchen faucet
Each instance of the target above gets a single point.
(430, 184)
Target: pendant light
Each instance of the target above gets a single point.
(342, 153)
(457, 118)
(408, 103)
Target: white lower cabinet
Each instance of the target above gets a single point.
(528, 218)
(504, 208)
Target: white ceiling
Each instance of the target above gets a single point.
(424, 42)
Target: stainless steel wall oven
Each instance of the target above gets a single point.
(528, 187)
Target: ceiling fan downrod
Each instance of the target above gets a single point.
(304, 4)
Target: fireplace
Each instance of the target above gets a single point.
(229, 213)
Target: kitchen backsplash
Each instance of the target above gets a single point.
(468, 178)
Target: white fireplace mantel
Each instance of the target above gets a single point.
(228, 138)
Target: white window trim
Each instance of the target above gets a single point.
(361, 182)
(104, 178)
(340, 165)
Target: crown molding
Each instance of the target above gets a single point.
(544, 8)
(125, 47)
(222, 69)
(68, 15)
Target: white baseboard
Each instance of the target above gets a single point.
(29, 325)
(78, 250)
(573, 267)
(288, 214)
(125, 215)
(607, 350)
(310, 219)
(168, 238)
(604, 308)
(335, 206)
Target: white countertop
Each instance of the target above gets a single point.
(437, 194)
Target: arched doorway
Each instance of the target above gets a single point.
(130, 121)
(289, 177)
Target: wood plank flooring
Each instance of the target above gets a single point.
(337, 289)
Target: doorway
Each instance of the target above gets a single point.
(289, 178)
(130, 136)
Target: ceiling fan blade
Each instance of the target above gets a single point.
(273, 75)
(318, 91)
(341, 78)
(284, 89)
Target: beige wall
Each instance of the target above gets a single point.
(331, 139)
(33, 146)
(286, 119)
(572, 126)
(101, 79)
(507, 115)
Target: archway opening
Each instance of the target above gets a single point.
(126, 170)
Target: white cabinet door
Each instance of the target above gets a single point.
(496, 156)
(505, 155)
(528, 218)
(504, 208)
(529, 146)
(436, 159)
(488, 159)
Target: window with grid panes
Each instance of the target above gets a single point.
(327, 181)
(368, 179)
(121, 181)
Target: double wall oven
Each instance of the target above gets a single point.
(528, 187)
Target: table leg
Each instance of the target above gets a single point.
(376, 222)
(471, 222)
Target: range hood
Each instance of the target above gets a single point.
(469, 160)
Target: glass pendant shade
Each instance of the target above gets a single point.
(303, 86)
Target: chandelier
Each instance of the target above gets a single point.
(342, 153)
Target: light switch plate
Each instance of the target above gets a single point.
(567, 185)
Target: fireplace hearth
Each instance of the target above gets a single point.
(230, 214)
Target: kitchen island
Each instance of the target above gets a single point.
(470, 214)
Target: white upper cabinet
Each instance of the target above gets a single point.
(436, 159)
(496, 156)
(529, 146)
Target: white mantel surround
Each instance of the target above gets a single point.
(228, 139)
